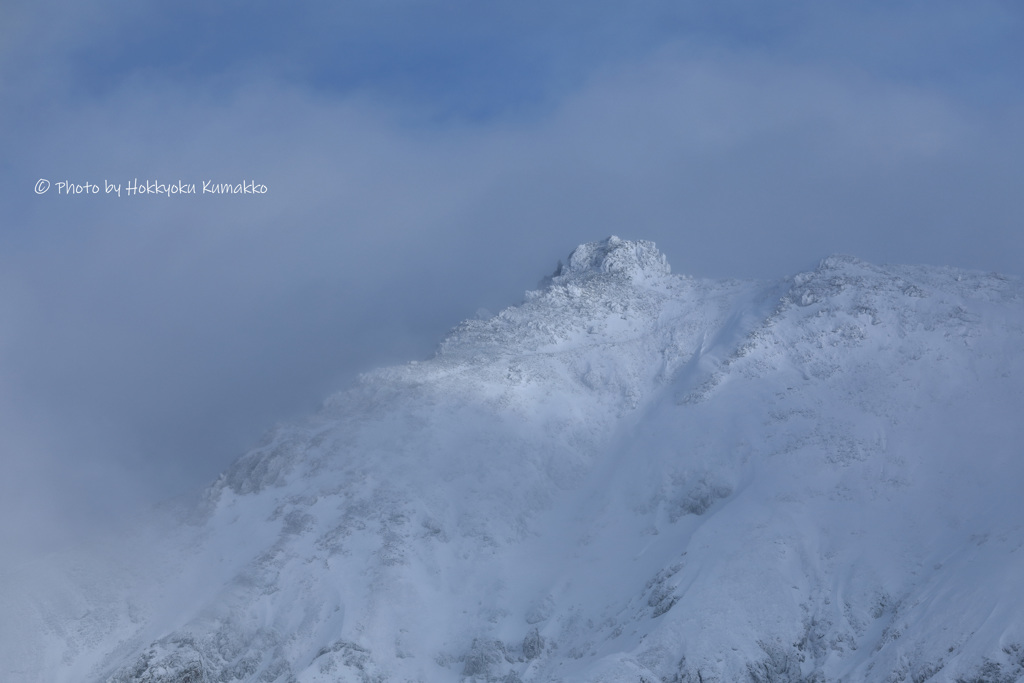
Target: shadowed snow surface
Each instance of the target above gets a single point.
(631, 476)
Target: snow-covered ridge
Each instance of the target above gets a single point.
(633, 475)
(609, 290)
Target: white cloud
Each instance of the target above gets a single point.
(187, 326)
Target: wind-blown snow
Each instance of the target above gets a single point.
(631, 476)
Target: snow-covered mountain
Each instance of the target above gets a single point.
(631, 476)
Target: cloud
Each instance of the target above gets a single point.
(150, 339)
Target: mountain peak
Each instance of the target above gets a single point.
(804, 465)
(638, 259)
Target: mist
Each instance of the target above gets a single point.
(422, 165)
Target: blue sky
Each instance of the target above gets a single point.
(424, 160)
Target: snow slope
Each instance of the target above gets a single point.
(632, 476)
